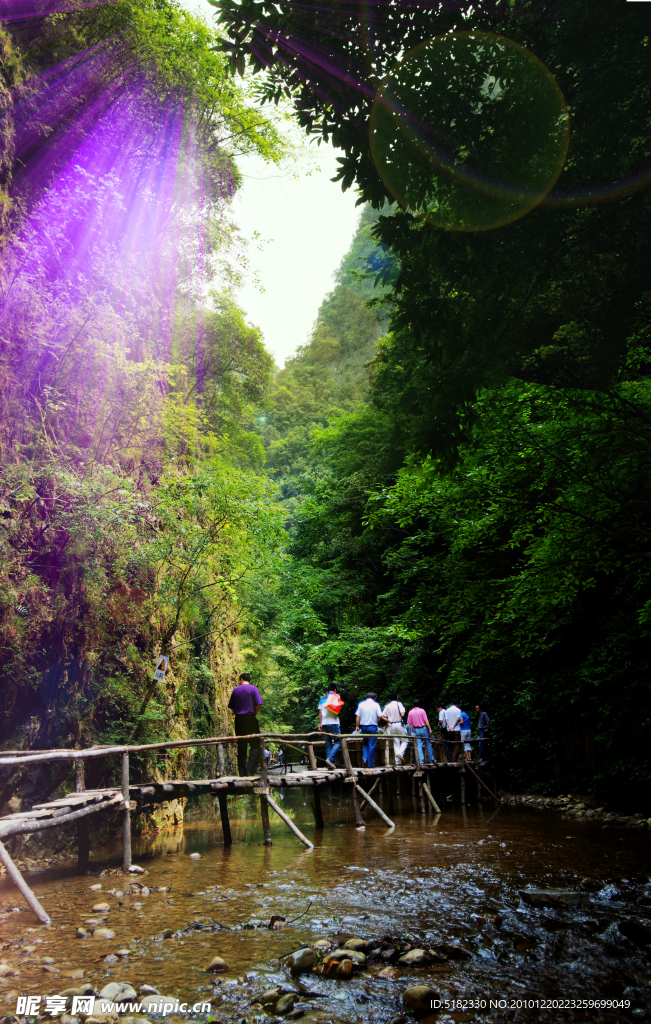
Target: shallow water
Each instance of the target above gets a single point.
(436, 877)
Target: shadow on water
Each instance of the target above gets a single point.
(452, 878)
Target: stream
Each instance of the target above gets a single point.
(452, 879)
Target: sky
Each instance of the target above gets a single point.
(306, 224)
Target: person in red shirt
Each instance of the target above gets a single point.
(418, 725)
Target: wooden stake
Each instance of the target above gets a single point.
(126, 822)
(83, 845)
(462, 787)
(288, 821)
(316, 807)
(311, 757)
(357, 810)
(223, 814)
(21, 884)
(479, 779)
(430, 797)
(377, 808)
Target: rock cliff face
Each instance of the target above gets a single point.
(11, 89)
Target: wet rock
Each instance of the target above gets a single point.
(297, 1012)
(103, 933)
(399, 1020)
(361, 945)
(148, 990)
(76, 974)
(390, 955)
(195, 856)
(276, 922)
(110, 959)
(452, 951)
(134, 1020)
(144, 891)
(636, 931)
(321, 944)
(217, 964)
(301, 960)
(270, 997)
(118, 992)
(81, 933)
(101, 908)
(135, 870)
(392, 973)
(94, 888)
(285, 1004)
(345, 968)
(590, 884)
(418, 999)
(167, 933)
(359, 959)
(551, 897)
(49, 969)
(415, 958)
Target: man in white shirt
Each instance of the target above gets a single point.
(443, 726)
(366, 717)
(393, 712)
(453, 719)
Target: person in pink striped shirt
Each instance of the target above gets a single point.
(418, 725)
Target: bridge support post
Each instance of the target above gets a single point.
(126, 822)
(21, 884)
(223, 814)
(316, 807)
(83, 846)
(264, 785)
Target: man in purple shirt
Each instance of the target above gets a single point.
(245, 703)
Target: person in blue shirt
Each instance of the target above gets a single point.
(465, 731)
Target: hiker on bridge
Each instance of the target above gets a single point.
(367, 716)
(394, 713)
(418, 724)
(245, 703)
(329, 707)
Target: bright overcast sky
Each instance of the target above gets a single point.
(306, 224)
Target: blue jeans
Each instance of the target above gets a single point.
(368, 747)
(420, 731)
(332, 746)
(483, 745)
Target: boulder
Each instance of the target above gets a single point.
(217, 964)
(321, 944)
(418, 999)
(361, 945)
(135, 870)
(119, 992)
(551, 897)
(415, 958)
(301, 960)
(285, 1004)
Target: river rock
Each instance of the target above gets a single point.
(276, 922)
(81, 933)
(101, 908)
(551, 897)
(415, 958)
(391, 973)
(418, 999)
(346, 954)
(76, 974)
(285, 1004)
(148, 990)
(270, 997)
(135, 870)
(94, 888)
(636, 931)
(321, 944)
(301, 960)
(167, 933)
(345, 968)
(195, 856)
(119, 992)
(361, 945)
(217, 964)
(103, 933)
(451, 950)
(134, 1020)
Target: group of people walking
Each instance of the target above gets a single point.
(453, 723)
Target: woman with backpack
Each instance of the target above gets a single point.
(329, 707)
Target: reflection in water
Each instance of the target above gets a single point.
(441, 879)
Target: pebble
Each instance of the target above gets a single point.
(81, 933)
(195, 856)
(101, 908)
(77, 974)
(103, 933)
(167, 933)
(285, 1004)
(135, 870)
(94, 888)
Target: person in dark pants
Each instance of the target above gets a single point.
(482, 727)
(443, 726)
(245, 703)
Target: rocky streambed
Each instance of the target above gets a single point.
(491, 916)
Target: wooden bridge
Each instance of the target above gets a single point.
(75, 807)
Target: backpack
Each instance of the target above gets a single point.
(334, 703)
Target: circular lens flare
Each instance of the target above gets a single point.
(469, 131)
